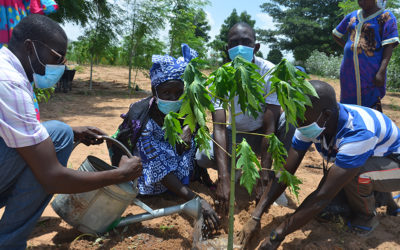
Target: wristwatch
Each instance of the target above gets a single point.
(274, 237)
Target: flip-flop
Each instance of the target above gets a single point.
(362, 231)
(396, 197)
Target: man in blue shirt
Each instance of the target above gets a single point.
(363, 145)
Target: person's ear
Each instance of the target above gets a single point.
(28, 45)
(256, 48)
(327, 113)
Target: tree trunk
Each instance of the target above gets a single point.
(131, 52)
(91, 71)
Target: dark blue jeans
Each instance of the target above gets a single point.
(22, 195)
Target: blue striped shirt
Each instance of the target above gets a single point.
(361, 133)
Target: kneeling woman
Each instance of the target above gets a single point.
(164, 167)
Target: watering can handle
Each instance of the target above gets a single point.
(114, 141)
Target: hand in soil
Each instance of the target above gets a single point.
(267, 245)
(211, 219)
(88, 135)
(222, 193)
(249, 229)
(130, 168)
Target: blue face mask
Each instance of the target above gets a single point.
(168, 106)
(312, 131)
(52, 74)
(381, 4)
(246, 52)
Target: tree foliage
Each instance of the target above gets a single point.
(78, 11)
(220, 43)
(275, 56)
(347, 6)
(302, 26)
(188, 25)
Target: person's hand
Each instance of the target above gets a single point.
(130, 168)
(211, 219)
(88, 135)
(268, 245)
(379, 79)
(249, 229)
(186, 136)
(222, 195)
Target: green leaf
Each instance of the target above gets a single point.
(249, 164)
(187, 112)
(291, 181)
(278, 154)
(172, 128)
(202, 140)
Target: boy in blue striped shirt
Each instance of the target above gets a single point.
(363, 145)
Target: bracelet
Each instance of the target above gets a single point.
(256, 218)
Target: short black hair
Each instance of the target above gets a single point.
(327, 96)
(36, 27)
(247, 26)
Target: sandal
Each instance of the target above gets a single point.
(363, 231)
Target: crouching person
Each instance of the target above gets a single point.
(164, 167)
(363, 146)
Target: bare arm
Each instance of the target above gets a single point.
(55, 178)
(219, 117)
(275, 189)
(339, 41)
(271, 193)
(381, 74)
(174, 185)
(270, 120)
(223, 187)
(329, 186)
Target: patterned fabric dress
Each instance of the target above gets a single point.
(12, 11)
(159, 158)
(368, 35)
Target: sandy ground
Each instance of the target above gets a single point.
(102, 107)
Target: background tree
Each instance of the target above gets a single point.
(143, 20)
(77, 11)
(302, 26)
(183, 20)
(348, 6)
(274, 56)
(101, 32)
(221, 41)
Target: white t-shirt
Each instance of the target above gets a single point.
(246, 122)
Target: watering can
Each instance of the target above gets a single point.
(100, 210)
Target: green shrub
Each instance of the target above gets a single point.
(321, 64)
(393, 71)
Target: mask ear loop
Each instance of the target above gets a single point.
(37, 56)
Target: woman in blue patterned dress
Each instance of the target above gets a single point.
(372, 35)
(165, 167)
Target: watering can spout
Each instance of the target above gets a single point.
(191, 208)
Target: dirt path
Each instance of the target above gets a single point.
(102, 108)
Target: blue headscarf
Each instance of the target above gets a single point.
(167, 68)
